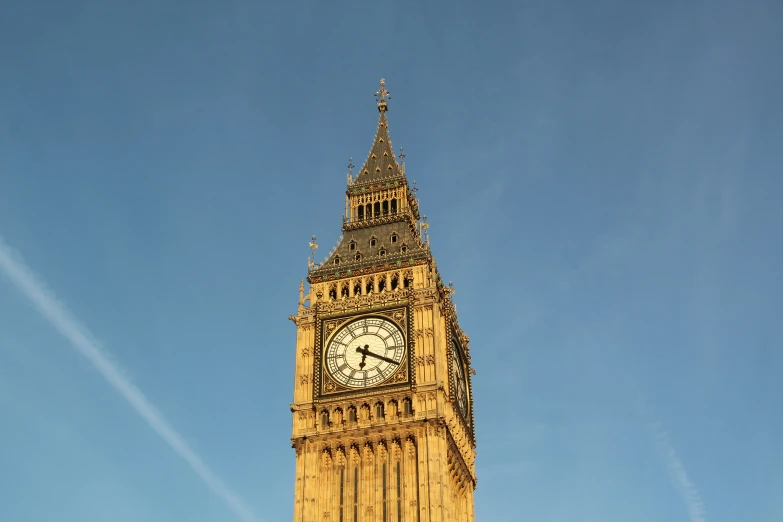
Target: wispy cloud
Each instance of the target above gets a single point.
(80, 337)
(697, 511)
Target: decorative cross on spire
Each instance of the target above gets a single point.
(350, 165)
(381, 96)
(402, 156)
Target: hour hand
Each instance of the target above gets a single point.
(364, 355)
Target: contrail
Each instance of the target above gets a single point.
(697, 511)
(80, 337)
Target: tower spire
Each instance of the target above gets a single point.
(381, 211)
(381, 164)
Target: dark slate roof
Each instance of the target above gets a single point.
(400, 224)
(381, 163)
(380, 168)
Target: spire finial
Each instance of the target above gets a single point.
(402, 156)
(381, 96)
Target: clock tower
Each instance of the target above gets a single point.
(383, 410)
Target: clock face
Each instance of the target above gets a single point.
(365, 352)
(460, 383)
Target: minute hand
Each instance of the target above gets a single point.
(381, 357)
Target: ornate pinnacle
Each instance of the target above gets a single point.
(311, 260)
(381, 96)
(350, 171)
(423, 226)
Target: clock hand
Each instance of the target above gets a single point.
(381, 357)
(366, 351)
(364, 355)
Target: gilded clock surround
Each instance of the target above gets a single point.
(326, 386)
(399, 451)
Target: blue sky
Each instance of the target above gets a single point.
(602, 181)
